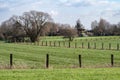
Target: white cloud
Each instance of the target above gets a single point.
(65, 11)
(53, 13)
(84, 3)
(110, 13)
(38, 3)
(63, 1)
(3, 5)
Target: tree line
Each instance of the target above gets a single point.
(104, 28)
(33, 24)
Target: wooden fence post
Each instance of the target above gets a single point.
(88, 45)
(80, 61)
(47, 61)
(112, 60)
(11, 60)
(54, 43)
(59, 43)
(102, 46)
(75, 44)
(82, 45)
(46, 43)
(50, 43)
(109, 46)
(117, 46)
(69, 44)
(94, 45)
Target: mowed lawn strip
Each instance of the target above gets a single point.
(61, 74)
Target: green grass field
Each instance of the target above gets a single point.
(33, 56)
(110, 42)
(61, 74)
(29, 61)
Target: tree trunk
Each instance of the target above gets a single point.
(33, 38)
(70, 38)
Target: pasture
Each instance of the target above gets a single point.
(61, 74)
(111, 42)
(33, 56)
(29, 60)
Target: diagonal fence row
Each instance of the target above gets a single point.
(83, 45)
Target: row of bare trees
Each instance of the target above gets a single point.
(32, 25)
(104, 28)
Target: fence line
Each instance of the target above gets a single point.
(89, 45)
(48, 61)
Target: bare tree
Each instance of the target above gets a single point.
(33, 23)
(101, 28)
(53, 29)
(104, 28)
(6, 28)
(68, 32)
(12, 30)
(94, 26)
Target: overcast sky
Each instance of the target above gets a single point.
(65, 11)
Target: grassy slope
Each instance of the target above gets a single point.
(61, 74)
(114, 40)
(32, 56)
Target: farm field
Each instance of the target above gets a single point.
(61, 74)
(60, 40)
(111, 42)
(30, 56)
(29, 61)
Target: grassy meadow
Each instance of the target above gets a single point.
(29, 60)
(32, 56)
(61, 74)
(111, 42)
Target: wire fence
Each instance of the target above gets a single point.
(83, 45)
(49, 61)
